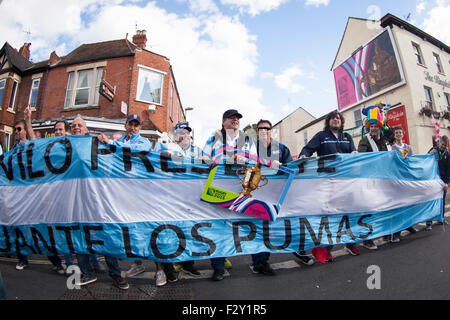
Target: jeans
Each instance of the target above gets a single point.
(259, 258)
(69, 259)
(86, 267)
(22, 258)
(218, 263)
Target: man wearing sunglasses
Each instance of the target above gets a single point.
(278, 154)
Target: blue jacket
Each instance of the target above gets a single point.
(135, 142)
(325, 142)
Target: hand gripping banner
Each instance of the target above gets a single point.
(76, 195)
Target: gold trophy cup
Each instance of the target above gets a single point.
(251, 179)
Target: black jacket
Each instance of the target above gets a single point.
(325, 142)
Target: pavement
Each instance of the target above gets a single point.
(418, 267)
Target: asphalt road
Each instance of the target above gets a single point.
(418, 267)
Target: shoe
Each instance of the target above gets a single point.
(411, 230)
(21, 265)
(135, 270)
(354, 251)
(428, 228)
(161, 278)
(396, 238)
(442, 223)
(171, 276)
(217, 275)
(369, 244)
(329, 258)
(387, 238)
(59, 269)
(177, 267)
(191, 270)
(228, 264)
(85, 280)
(120, 282)
(265, 269)
(99, 268)
(304, 258)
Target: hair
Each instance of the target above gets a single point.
(330, 116)
(397, 128)
(264, 121)
(21, 121)
(66, 125)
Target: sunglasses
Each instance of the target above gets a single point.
(18, 129)
(265, 128)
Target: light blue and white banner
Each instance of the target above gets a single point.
(76, 195)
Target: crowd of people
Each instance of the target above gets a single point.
(331, 140)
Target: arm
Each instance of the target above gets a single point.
(312, 146)
(27, 118)
(363, 145)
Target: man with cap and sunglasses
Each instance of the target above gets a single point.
(132, 138)
(223, 146)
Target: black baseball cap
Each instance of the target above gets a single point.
(231, 112)
(183, 125)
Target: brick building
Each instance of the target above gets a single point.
(103, 82)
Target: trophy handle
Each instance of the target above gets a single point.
(264, 178)
(241, 169)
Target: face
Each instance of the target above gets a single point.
(335, 122)
(264, 131)
(374, 130)
(231, 123)
(60, 129)
(78, 127)
(442, 145)
(182, 138)
(19, 132)
(132, 127)
(398, 135)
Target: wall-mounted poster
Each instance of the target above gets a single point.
(371, 70)
(397, 117)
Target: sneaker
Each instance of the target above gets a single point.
(21, 265)
(171, 276)
(192, 271)
(265, 269)
(120, 282)
(396, 238)
(135, 270)
(217, 275)
(354, 251)
(304, 258)
(428, 228)
(369, 244)
(329, 258)
(161, 278)
(99, 268)
(85, 280)
(411, 230)
(387, 238)
(59, 269)
(177, 267)
(228, 264)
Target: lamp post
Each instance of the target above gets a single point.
(185, 116)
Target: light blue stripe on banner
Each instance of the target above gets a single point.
(187, 240)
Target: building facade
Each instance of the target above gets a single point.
(412, 76)
(103, 82)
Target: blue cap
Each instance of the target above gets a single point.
(183, 125)
(134, 116)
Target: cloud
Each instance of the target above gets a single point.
(420, 7)
(214, 57)
(436, 18)
(254, 7)
(317, 3)
(288, 79)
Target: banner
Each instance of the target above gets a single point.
(371, 70)
(76, 195)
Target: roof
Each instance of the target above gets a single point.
(312, 122)
(16, 59)
(390, 19)
(292, 113)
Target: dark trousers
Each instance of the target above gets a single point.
(259, 258)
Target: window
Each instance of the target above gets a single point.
(171, 102)
(12, 99)
(7, 141)
(447, 100)
(418, 53)
(2, 88)
(149, 88)
(33, 93)
(429, 97)
(437, 60)
(357, 117)
(305, 137)
(82, 90)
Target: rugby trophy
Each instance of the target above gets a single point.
(251, 179)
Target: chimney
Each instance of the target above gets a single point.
(25, 50)
(53, 58)
(140, 38)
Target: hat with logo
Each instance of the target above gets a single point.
(134, 116)
(182, 125)
(231, 112)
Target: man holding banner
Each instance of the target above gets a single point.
(223, 147)
(331, 140)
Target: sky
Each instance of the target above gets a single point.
(264, 58)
